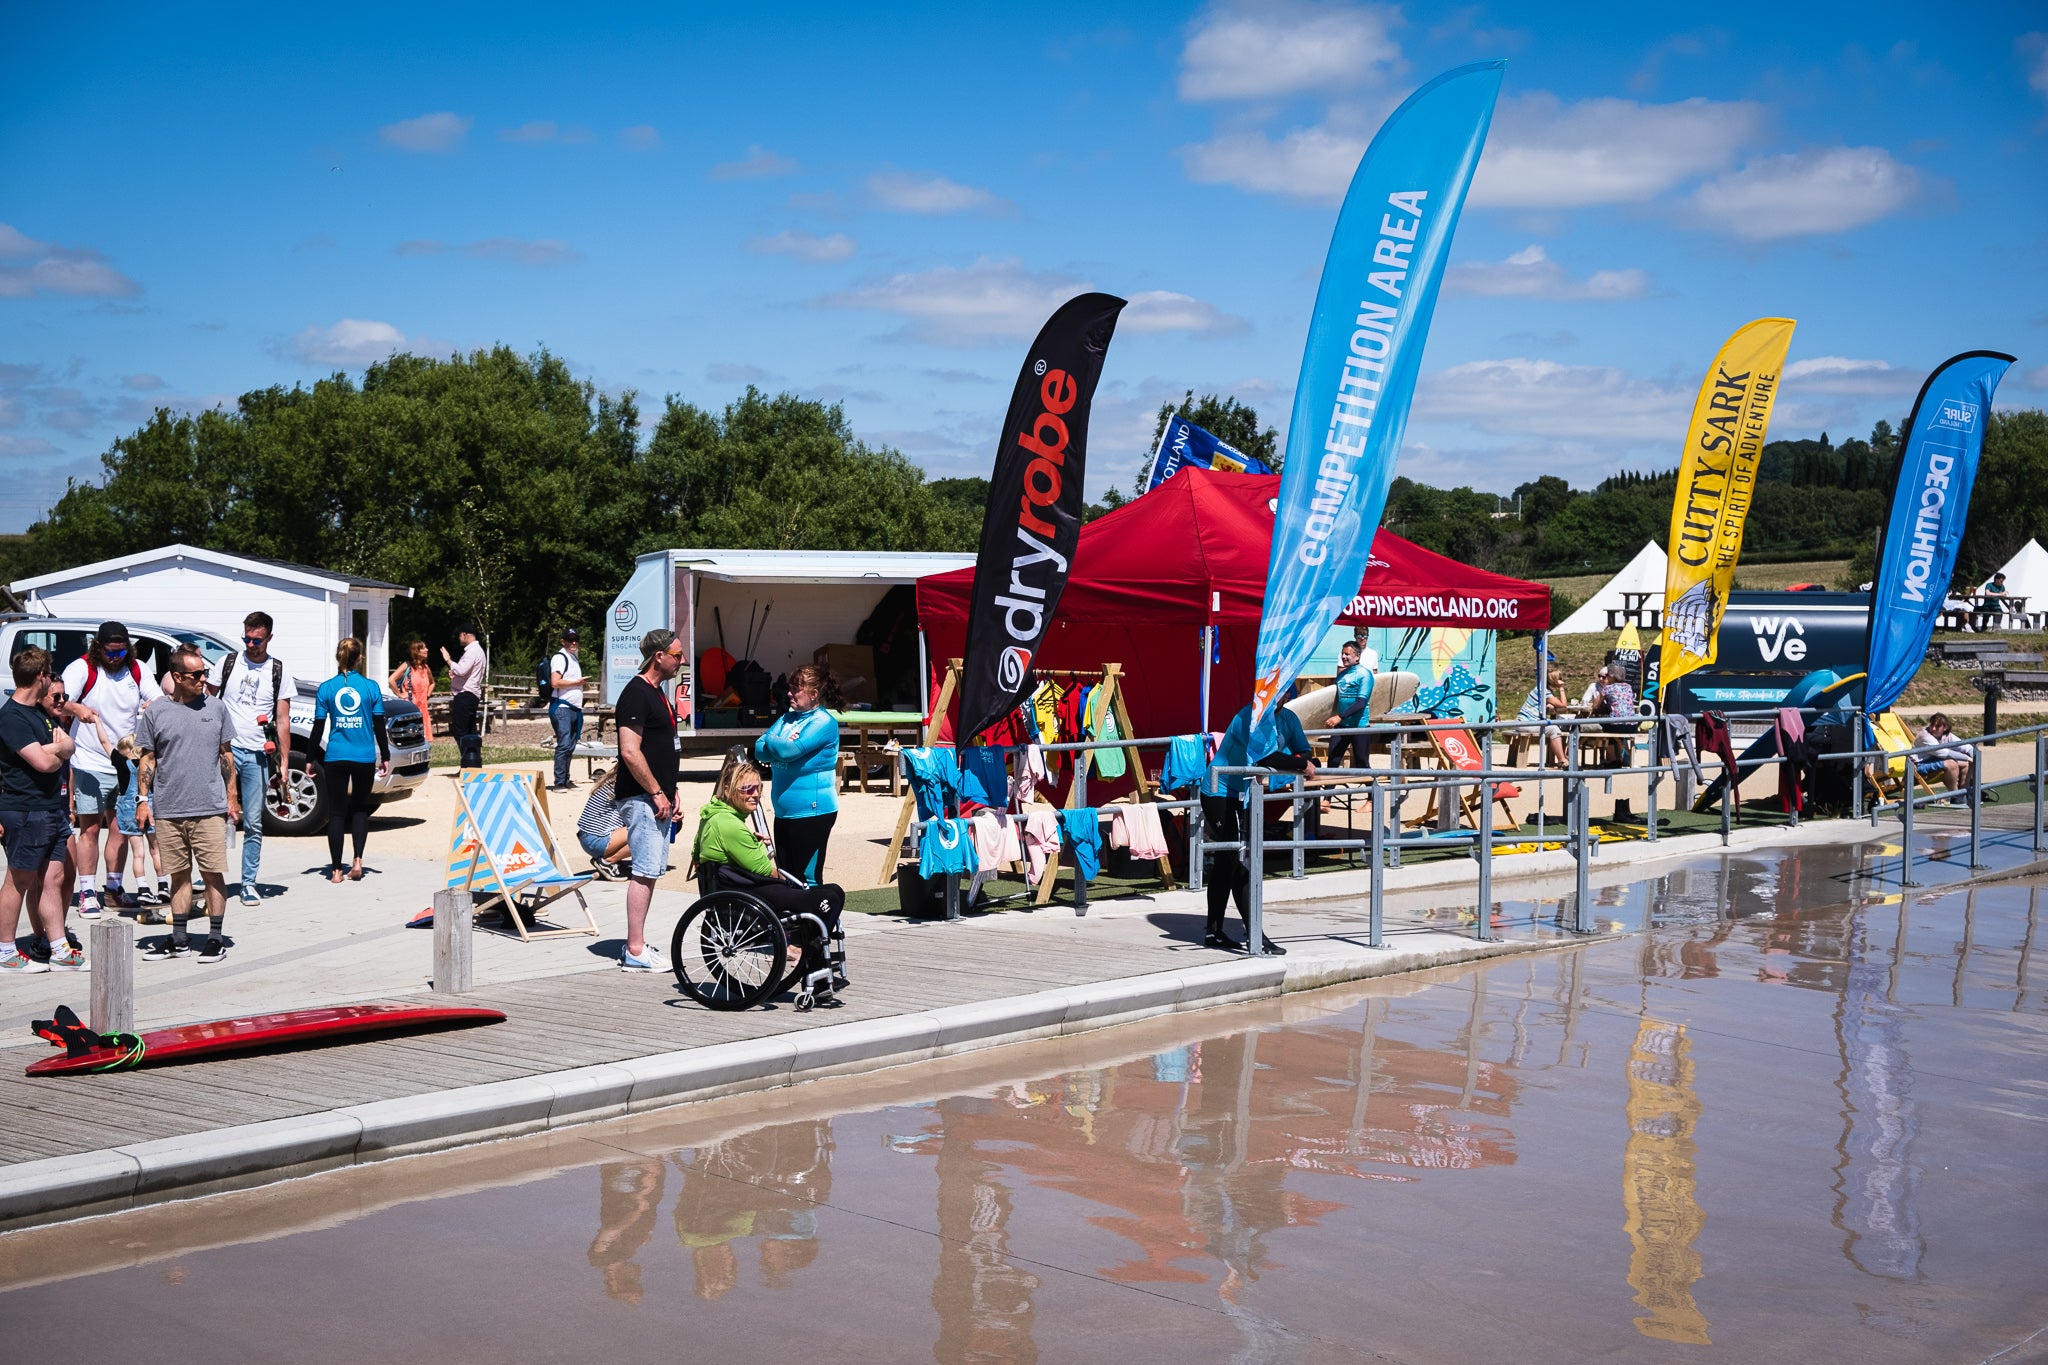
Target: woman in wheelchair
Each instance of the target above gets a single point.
(727, 953)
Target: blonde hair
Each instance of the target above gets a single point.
(348, 655)
(126, 748)
(736, 770)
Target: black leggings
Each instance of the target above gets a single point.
(348, 800)
(1224, 875)
(800, 845)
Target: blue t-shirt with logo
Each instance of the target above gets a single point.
(346, 702)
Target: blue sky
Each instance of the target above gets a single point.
(879, 206)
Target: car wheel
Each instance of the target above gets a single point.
(301, 806)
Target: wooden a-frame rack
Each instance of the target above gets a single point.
(1111, 677)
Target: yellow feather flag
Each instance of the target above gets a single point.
(1716, 480)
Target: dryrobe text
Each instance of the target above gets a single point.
(1358, 387)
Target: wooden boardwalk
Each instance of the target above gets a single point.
(555, 1023)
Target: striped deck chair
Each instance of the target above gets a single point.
(1456, 748)
(503, 852)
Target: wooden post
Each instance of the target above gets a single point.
(113, 976)
(454, 943)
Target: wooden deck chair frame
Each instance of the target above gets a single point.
(476, 863)
(1880, 774)
(1456, 750)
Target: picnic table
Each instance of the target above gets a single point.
(1636, 609)
(872, 732)
(2008, 608)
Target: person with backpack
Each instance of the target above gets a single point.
(257, 690)
(561, 682)
(108, 689)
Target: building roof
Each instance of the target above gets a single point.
(330, 579)
(817, 566)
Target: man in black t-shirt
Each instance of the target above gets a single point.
(646, 785)
(32, 814)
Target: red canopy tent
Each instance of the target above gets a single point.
(1192, 553)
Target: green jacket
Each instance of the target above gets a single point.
(723, 837)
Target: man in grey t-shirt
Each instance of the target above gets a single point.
(185, 791)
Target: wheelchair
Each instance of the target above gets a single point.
(732, 950)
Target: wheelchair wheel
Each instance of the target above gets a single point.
(730, 951)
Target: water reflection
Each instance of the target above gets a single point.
(1659, 1184)
(761, 1187)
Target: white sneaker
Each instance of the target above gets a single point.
(65, 958)
(89, 903)
(18, 963)
(250, 895)
(649, 961)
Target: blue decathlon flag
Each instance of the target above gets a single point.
(1358, 370)
(1930, 504)
(1183, 444)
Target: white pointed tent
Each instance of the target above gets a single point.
(2026, 573)
(1644, 573)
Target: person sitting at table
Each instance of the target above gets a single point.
(1616, 697)
(1952, 761)
(1535, 710)
(802, 751)
(1955, 609)
(1991, 600)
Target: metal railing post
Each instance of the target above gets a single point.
(1906, 829)
(1195, 832)
(2040, 772)
(1483, 926)
(1582, 810)
(1080, 792)
(1729, 796)
(1856, 764)
(1376, 918)
(1300, 862)
(1255, 859)
(1974, 794)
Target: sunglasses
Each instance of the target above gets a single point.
(115, 651)
(193, 675)
(254, 639)
(754, 790)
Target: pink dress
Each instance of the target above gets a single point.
(419, 685)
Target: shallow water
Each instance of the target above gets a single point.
(1773, 1127)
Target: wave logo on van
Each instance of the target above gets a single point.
(1779, 635)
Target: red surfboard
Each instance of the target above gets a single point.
(221, 1036)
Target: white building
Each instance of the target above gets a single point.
(182, 585)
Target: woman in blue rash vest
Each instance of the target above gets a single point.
(801, 750)
(1223, 814)
(357, 753)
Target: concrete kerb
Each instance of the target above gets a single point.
(106, 1181)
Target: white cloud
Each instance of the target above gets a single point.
(541, 132)
(1314, 163)
(2033, 48)
(72, 272)
(545, 251)
(741, 374)
(1805, 193)
(142, 383)
(1838, 375)
(806, 246)
(1247, 54)
(2036, 378)
(437, 132)
(349, 343)
(1160, 310)
(995, 301)
(1531, 274)
(24, 445)
(758, 163)
(1543, 153)
(932, 194)
(976, 305)
(641, 137)
(1521, 397)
